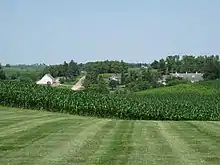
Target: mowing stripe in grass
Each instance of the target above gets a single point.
(150, 147)
(211, 128)
(207, 133)
(18, 111)
(4, 112)
(11, 135)
(180, 147)
(216, 123)
(15, 116)
(43, 146)
(139, 143)
(118, 146)
(90, 146)
(209, 140)
(19, 139)
(122, 147)
(73, 145)
(198, 141)
(23, 138)
(25, 126)
(105, 144)
(17, 122)
(60, 139)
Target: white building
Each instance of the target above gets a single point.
(116, 78)
(47, 80)
(192, 77)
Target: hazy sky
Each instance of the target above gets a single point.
(51, 31)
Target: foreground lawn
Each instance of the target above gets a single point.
(43, 138)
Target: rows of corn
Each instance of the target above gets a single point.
(205, 87)
(185, 105)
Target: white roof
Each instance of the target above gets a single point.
(45, 79)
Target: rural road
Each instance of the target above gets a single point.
(79, 84)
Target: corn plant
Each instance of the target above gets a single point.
(184, 104)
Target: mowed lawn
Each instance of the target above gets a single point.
(44, 138)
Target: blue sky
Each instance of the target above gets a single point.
(51, 31)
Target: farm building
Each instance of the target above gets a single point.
(47, 79)
(192, 77)
(115, 78)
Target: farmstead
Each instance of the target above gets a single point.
(109, 82)
(47, 79)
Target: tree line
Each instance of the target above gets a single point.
(67, 71)
(147, 77)
(185, 63)
(106, 66)
(209, 65)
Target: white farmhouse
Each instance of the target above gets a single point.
(47, 80)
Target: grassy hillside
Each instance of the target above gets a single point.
(43, 138)
(201, 87)
(211, 84)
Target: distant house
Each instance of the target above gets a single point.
(144, 66)
(163, 79)
(192, 77)
(115, 78)
(47, 79)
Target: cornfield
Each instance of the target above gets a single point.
(181, 105)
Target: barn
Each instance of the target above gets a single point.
(47, 79)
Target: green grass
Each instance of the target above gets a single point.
(68, 86)
(74, 81)
(133, 69)
(211, 84)
(44, 138)
(106, 75)
(201, 87)
(14, 70)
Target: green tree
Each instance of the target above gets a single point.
(188, 64)
(106, 66)
(65, 69)
(155, 64)
(103, 87)
(99, 87)
(113, 84)
(162, 66)
(2, 73)
(91, 78)
(123, 78)
(73, 69)
(7, 65)
(171, 81)
(211, 69)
